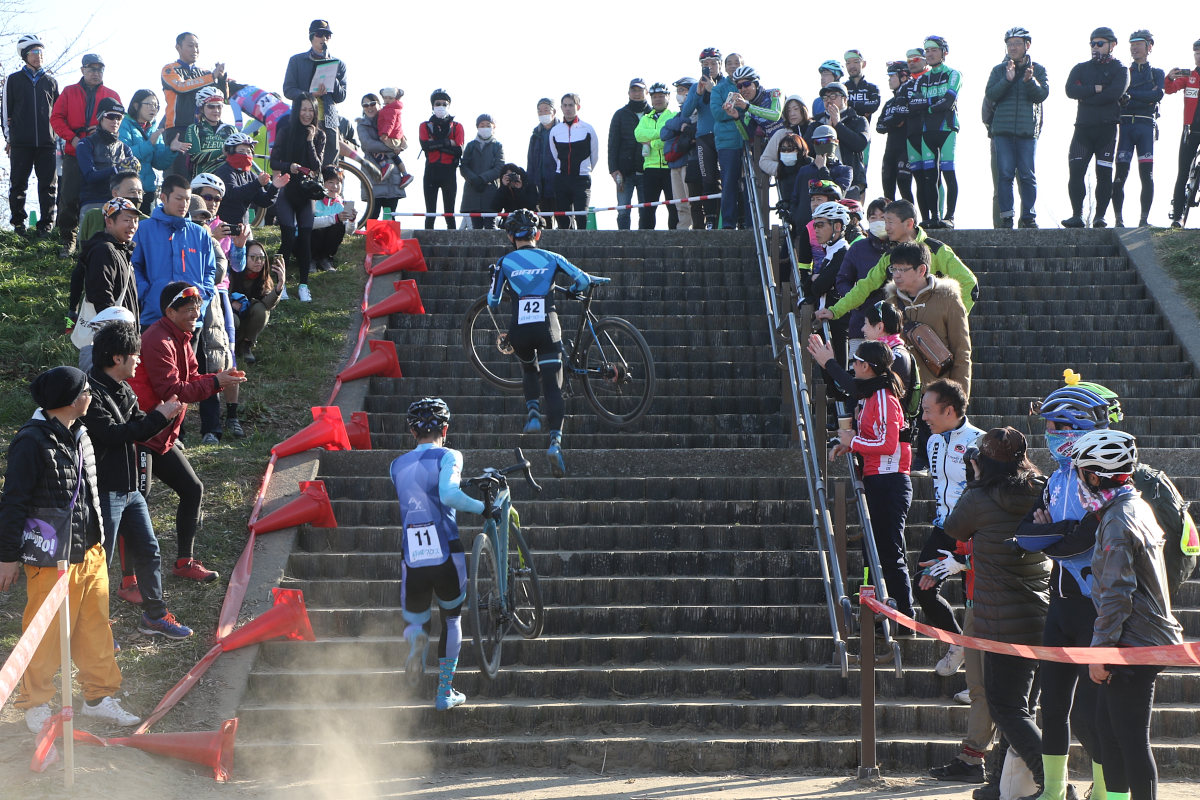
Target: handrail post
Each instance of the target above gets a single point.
(868, 761)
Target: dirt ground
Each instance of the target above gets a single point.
(120, 772)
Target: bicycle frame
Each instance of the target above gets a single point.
(498, 533)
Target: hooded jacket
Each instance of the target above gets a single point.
(1011, 586)
(939, 305)
(28, 100)
(42, 472)
(115, 424)
(170, 249)
(169, 369)
(1017, 104)
(105, 275)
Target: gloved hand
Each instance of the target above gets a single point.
(950, 565)
(498, 514)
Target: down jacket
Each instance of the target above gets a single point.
(1012, 587)
(1017, 103)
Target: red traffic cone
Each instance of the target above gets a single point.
(358, 431)
(287, 618)
(381, 362)
(327, 430)
(383, 237)
(311, 507)
(408, 258)
(405, 300)
(211, 748)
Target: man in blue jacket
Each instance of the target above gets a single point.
(29, 96)
(706, 146)
(168, 247)
(298, 80)
(1138, 125)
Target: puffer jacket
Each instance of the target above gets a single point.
(1011, 586)
(1017, 103)
(649, 132)
(939, 305)
(862, 256)
(43, 469)
(481, 167)
(100, 156)
(115, 423)
(1129, 577)
(624, 152)
(242, 190)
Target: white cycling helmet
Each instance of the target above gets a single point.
(206, 93)
(209, 181)
(27, 41)
(238, 138)
(744, 74)
(110, 314)
(1106, 452)
(832, 211)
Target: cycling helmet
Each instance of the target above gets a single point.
(744, 74)
(832, 211)
(684, 82)
(439, 94)
(852, 207)
(522, 223)
(239, 138)
(709, 52)
(206, 180)
(938, 42)
(28, 41)
(824, 132)
(1142, 35)
(1107, 453)
(1196, 45)
(897, 68)
(659, 88)
(1104, 33)
(1019, 33)
(1080, 408)
(836, 87)
(832, 65)
(428, 415)
(206, 93)
(828, 188)
(1115, 414)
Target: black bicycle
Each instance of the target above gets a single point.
(608, 356)
(1191, 191)
(502, 584)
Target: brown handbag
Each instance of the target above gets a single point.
(929, 346)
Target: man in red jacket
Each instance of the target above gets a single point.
(1189, 82)
(168, 369)
(73, 118)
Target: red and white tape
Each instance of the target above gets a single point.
(590, 210)
(22, 654)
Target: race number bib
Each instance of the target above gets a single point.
(531, 309)
(424, 545)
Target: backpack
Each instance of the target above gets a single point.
(678, 148)
(1182, 545)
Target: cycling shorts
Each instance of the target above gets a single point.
(447, 581)
(1136, 133)
(1094, 140)
(537, 342)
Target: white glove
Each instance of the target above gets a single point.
(950, 565)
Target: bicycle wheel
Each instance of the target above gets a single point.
(483, 595)
(487, 348)
(367, 189)
(618, 376)
(524, 591)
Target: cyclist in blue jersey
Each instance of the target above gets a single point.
(427, 487)
(534, 332)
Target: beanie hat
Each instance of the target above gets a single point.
(58, 387)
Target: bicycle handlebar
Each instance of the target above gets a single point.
(493, 477)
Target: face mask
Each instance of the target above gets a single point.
(485, 133)
(789, 158)
(1060, 444)
(239, 161)
(681, 98)
(878, 228)
(545, 119)
(441, 112)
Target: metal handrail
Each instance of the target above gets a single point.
(786, 331)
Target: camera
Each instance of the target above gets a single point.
(824, 148)
(235, 228)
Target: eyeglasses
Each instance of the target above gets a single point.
(371, 104)
(94, 68)
(899, 270)
(212, 198)
(745, 84)
(1099, 43)
(184, 294)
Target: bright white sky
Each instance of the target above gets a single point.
(491, 57)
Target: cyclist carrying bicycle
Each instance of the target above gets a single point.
(534, 332)
(427, 487)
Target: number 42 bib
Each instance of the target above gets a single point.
(531, 309)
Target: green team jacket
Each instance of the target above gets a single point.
(945, 265)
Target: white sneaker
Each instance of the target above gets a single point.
(109, 709)
(36, 717)
(963, 697)
(951, 662)
(283, 295)
(305, 294)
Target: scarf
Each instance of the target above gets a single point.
(892, 340)
(1104, 58)
(1094, 501)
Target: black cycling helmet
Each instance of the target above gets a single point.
(1104, 33)
(939, 42)
(522, 223)
(1142, 35)
(709, 52)
(428, 415)
(898, 68)
(439, 94)
(1019, 33)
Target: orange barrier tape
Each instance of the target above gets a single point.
(1176, 655)
(22, 654)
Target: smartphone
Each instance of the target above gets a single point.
(349, 205)
(707, 74)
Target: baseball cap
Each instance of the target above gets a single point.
(119, 204)
(319, 26)
(91, 58)
(638, 82)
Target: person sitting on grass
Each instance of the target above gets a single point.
(253, 294)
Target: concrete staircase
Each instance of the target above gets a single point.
(685, 628)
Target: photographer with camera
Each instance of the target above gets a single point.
(516, 190)
(1017, 88)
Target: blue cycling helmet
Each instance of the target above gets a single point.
(428, 415)
(1081, 408)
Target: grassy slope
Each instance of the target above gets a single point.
(1179, 252)
(298, 355)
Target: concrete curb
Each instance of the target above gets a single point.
(1138, 245)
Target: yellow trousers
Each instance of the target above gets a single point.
(91, 638)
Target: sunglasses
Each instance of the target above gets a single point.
(1099, 43)
(112, 116)
(256, 257)
(745, 84)
(371, 104)
(323, 35)
(185, 293)
(212, 198)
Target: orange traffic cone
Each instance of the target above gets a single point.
(408, 257)
(211, 748)
(405, 300)
(327, 430)
(311, 507)
(358, 431)
(381, 362)
(287, 618)
(383, 237)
